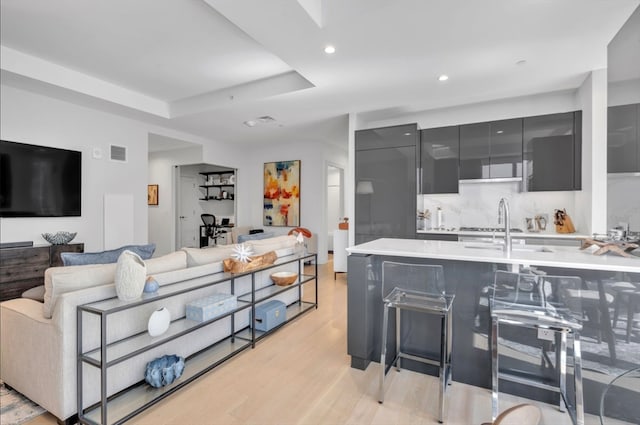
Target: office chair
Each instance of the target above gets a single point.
(211, 229)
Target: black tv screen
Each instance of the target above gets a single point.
(38, 181)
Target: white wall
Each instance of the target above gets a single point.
(313, 184)
(34, 119)
(162, 222)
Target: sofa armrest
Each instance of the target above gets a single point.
(30, 352)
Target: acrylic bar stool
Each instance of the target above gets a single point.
(416, 287)
(538, 302)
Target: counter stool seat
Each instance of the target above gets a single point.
(420, 288)
(550, 303)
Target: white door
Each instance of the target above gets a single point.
(188, 222)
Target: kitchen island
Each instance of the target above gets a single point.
(469, 269)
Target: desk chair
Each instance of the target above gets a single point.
(416, 287)
(539, 302)
(212, 230)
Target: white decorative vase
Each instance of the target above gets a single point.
(131, 273)
(159, 322)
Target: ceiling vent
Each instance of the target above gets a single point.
(118, 153)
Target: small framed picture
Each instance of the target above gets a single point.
(152, 194)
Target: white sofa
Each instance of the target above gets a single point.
(38, 355)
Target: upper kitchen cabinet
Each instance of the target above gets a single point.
(623, 139)
(552, 152)
(439, 160)
(491, 150)
(386, 184)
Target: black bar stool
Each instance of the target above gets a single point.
(417, 287)
(551, 303)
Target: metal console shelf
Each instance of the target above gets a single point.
(125, 404)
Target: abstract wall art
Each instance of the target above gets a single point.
(282, 193)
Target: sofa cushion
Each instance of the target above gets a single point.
(200, 256)
(263, 246)
(174, 261)
(106, 257)
(255, 236)
(59, 280)
(36, 293)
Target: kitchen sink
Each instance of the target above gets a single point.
(515, 248)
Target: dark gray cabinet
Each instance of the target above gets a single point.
(623, 139)
(491, 150)
(439, 160)
(552, 151)
(386, 182)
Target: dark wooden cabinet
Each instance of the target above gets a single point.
(386, 185)
(439, 160)
(491, 150)
(623, 139)
(552, 152)
(23, 268)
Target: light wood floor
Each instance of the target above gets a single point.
(301, 375)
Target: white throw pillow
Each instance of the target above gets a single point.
(263, 246)
(201, 256)
(131, 273)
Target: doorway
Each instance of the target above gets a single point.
(187, 220)
(335, 201)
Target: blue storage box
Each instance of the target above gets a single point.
(210, 307)
(269, 315)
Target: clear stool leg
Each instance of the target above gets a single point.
(397, 356)
(577, 376)
(383, 352)
(443, 363)
(563, 370)
(494, 368)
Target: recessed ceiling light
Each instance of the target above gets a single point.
(499, 131)
(329, 49)
(443, 77)
(250, 123)
(521, 62)
(407, 134)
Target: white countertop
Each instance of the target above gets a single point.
(514, 235)
(560, 256)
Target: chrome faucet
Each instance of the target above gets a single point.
(504, 205)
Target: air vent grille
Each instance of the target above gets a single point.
(118, 153)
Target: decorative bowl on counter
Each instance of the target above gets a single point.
(59, 238)
(284, 278)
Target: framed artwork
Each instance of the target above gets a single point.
(152, 194)
(281, 194)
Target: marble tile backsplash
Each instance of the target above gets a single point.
(477, 205)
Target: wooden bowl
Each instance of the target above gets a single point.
(284, 278)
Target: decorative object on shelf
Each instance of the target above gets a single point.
(344, 225)
(232, 179)
(59, 238)
(300, 233)
(151, 285)
(281, 193)
(235, 266)
(159, 322)
(164, 370)
(152, 194)
(242, 253)
(284, 278)
(130, 277)
(563, 222)
(269, 315)
(210, 307)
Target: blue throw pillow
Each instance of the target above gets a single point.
(255, 236)
(105, 257)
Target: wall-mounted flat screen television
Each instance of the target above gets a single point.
(39, 181)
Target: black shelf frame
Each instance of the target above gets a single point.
(210, 357)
